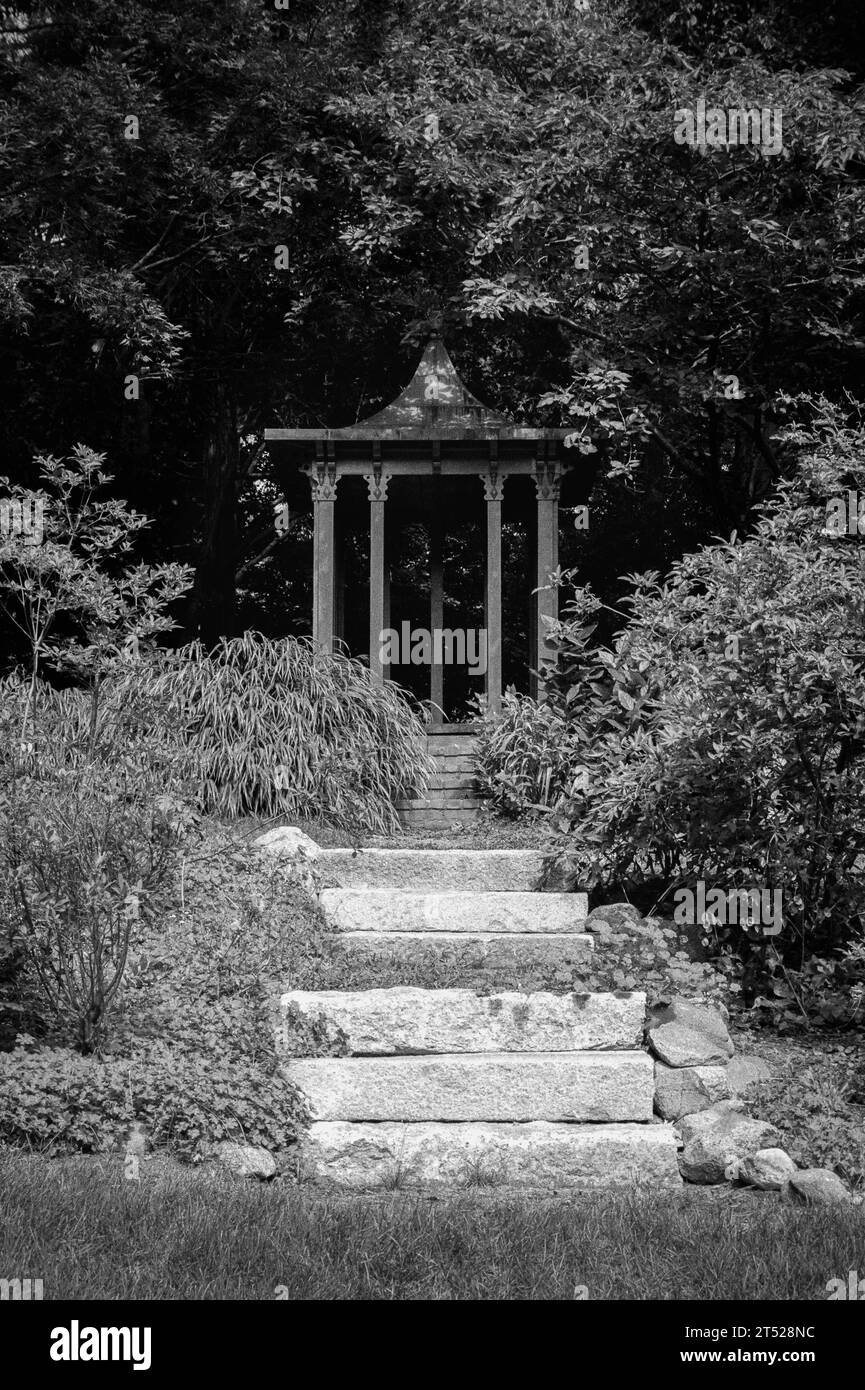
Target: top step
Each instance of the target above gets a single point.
(434, 870)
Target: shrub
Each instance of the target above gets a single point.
(89, 829)
(278, 728)
(191, 1050)
(724, 732)
(524, 756)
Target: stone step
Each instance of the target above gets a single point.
(524, 958)
(572, 1086)
(382, 910)
(434, 870)
(404, 1020)
(536, 1155)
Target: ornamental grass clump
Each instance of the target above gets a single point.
(278, 728)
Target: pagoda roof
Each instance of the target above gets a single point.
(435, 405)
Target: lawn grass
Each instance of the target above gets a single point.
(198, 1233)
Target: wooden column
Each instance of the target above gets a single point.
(493, 492)
(547, 487)
(339, 575)
(436, 608)
(379, 597)
(323, 478)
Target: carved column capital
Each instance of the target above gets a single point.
(494, 485)
(323, 478)
(376, 483)
(547, 482)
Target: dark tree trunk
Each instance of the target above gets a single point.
(213, 606)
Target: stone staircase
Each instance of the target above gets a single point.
(454, 1088)
(452, 797)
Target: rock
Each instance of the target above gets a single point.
(615, 917)
(246, 1160)
(556, 1086)
(533, 1155)
(684, 1090)
(744, 1071)
(136, 1141)
(383, 910)
(686, 1033)
(714, 1139)
(768, 1169)
(406, 1020)
(817, 1187)
(288, 840)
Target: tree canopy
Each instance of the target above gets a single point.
(219, 217)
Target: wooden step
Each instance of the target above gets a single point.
(452, 797)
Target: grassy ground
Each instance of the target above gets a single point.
(193, 1234)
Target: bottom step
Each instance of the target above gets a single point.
(538, 1154)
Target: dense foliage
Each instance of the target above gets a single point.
(723, 733)
(148, 252)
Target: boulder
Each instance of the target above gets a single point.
(817, 1187)
(614, 917)
(768, 1169)
(246, 1160)
(687, 1033)
(287, 840)
(714, 1139)
(684, 1090)
(744, 1071)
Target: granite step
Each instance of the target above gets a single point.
(433, 870)
(405, 1020)
(520, 959)
(586, 1087)
(382, 910)
(538, 1156)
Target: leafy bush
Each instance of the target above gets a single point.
(724, 732)
(278, 728)
(54, 1098)
(524, 756)
(191, 1050)
(89, 830)
(66, 594)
